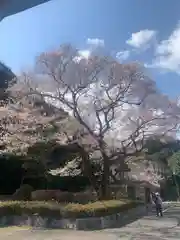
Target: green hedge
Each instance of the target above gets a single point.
(68, 183)
(53, 209)
(11, 173)
(98, 209)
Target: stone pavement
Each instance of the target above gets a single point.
(151, 227)
(147, 228)
(29, 234)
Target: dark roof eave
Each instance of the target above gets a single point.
(20, 7)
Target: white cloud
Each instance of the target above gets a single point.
(85, 53)
(168, 53)
(122, 55)
(141, 38)
(95, 42)
(96, 46)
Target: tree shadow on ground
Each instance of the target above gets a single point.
(128, 219)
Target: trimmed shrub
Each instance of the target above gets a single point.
(36, 183)
(23, 193)
(44, 195)
(68, 183)
(63, 197)
(98, 209)
(18, 208)
(11, 173)
(53, 209)
(48, 195)
(84, 197)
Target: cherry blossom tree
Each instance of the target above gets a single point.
(117, 105)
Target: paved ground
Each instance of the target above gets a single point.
(28, 234)
(151, 227)
(147, 228)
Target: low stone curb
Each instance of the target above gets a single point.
(93, 223)
(173, 204)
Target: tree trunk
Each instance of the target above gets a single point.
(88, 171)
(105, 192)
(177, 187)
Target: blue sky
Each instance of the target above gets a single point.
(146, 31)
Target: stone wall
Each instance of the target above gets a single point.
(94, 223)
